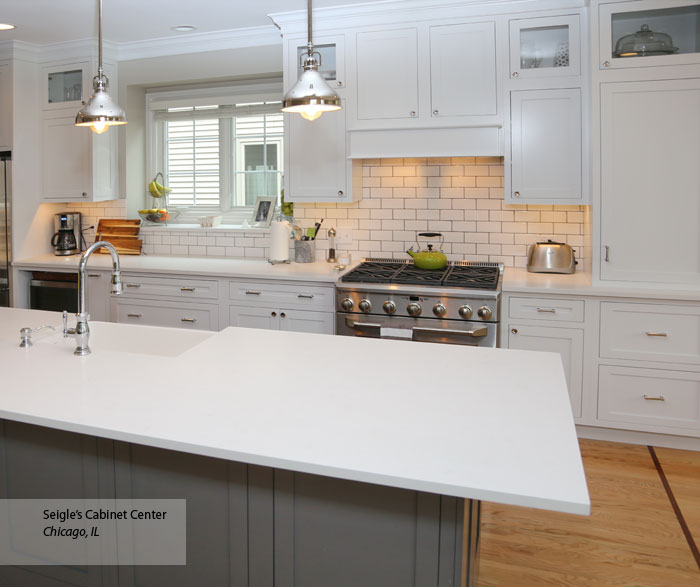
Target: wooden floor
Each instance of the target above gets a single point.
(633, 536)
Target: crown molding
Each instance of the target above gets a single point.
(19, 51)
(398, 11)
(200, 42)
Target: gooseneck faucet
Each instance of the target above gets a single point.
(81, 332)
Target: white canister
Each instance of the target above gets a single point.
(280, 233)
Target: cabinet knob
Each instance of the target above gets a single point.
(339, 84)
(516, 194)
(436, 112)
(606, 63)
(84, 194)
(516, 74)
(514, 330)
(283, 315)
(273, 314)
(340, 192)
(413, 112)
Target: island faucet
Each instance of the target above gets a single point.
(81, 332)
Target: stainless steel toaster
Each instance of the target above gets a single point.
(551, 257)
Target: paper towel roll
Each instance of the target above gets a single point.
(279, 241)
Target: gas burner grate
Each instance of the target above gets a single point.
(473, 276)
(411, 275)
(379, 271)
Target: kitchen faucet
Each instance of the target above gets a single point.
(81, 332)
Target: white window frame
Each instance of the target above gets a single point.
(268, 90)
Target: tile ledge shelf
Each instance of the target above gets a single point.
(196, 227)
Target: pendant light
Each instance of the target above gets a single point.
(101, 111)
(311, 96)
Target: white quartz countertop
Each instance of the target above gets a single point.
(488, 424)
(320, 271)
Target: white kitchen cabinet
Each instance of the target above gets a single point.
(317, 168)
(98, 295)
(567, 342)
(678, 18)
(190, 315)
(387, 74)
(463, 70)
(5, 106)
(281, 319)
(545, 47)
(66, 85)
(650, 181)
(77, 165)
(546, 147)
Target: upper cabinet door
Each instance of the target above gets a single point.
(546, 147)
(463, 70)
(545, 47)
(5, 107)
(65, 86)
(650, 181)
(387, 74)
(626, 28)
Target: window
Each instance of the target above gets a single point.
(217, 156)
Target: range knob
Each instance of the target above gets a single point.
(439, 310)
(484, 312)
(365, 305)
(389, 307)
(347, 304)
(465, 312)
(414, 309)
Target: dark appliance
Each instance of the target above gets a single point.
(66, 239)
(5, 235)
(53, 291)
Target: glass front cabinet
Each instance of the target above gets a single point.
(65, 86)
(649, 33)
(545, 47)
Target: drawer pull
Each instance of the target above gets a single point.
(306, 296)
(651, 398)
(188, 288)
(547, 310)
(656, 334)
(93, 275)
(134, 315)
(250, 292)
(191, 320)
(133, 285)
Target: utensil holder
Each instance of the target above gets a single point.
(305, 251)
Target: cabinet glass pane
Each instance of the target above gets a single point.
(542, 47)
(645, 33)
(327, 66)
(65, 86)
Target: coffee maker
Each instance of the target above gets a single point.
(66, 239)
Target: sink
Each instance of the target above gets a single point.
(128, 338)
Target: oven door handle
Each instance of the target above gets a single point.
(364, 328)
(420, 333)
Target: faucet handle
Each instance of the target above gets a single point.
(117, 287)
(65, 323)
(25, 338)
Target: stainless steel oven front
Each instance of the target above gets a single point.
(462, 332)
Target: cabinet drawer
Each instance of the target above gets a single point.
(172, 314)
(254, 292)
(650, 332)
(546, 309)
(199, 289)
(649, 396)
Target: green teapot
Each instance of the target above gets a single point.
(428, 259)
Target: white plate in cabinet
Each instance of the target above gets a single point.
(387, 74)
(653, 397)
(311, 297)
(567, 342)
(545, 146)
(161, 313)
(199, 289)
(650, 332)
(546, 309)
(463, 70)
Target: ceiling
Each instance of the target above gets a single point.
(43, 22)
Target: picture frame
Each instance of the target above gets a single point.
(263, 211)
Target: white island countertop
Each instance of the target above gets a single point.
(487, 424)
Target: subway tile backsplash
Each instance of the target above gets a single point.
(461, 197)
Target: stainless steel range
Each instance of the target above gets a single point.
(390, 298)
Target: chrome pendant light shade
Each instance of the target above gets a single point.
(311, 96)
(101, 111)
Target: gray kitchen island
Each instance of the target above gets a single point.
(304, 460)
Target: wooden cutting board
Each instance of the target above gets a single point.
(122, 233)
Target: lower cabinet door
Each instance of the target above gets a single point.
(170, 314)
(303, 321)
(568, 342)
(254, 317)
(98, 286)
